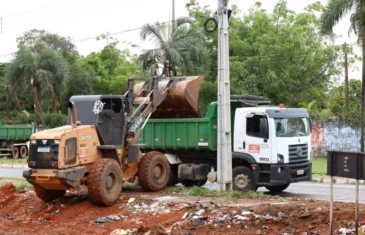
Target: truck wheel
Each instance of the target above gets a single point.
(242, 179)
(104, 182)
(277, 189)
(15, 153)
(154, 172)
(23, 151)
(48, 195)
(191, 183)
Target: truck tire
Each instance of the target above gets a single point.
(277, 189)
(15, 152)
(191, 183)
(242, 179)
(154, 172)
(104, 182)
(23, 151)
(48, 195)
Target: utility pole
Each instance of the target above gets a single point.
(346, 75)
(1, 22)
(224, 158)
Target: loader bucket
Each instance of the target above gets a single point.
(182, 98)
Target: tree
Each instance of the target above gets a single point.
(180, 47)
(43, 69)
(110, 69)
(62, 45)
(280, 55)
(335, 10)
(349, 114)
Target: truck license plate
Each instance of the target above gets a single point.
(300, 172)
(44, 149)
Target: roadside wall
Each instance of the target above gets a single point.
(334, 135)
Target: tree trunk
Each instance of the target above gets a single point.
(362, 97)
(14, 97)
(36, 91)
(54, 101)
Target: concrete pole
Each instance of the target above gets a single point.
(224, 158)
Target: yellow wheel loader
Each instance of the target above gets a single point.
(99, 146)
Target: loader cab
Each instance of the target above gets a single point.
(106, 112)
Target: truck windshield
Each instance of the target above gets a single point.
(291, 127)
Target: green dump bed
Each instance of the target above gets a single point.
(15, 133)
(184, 133)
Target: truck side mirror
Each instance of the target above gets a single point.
(310, 124)
(264, 128)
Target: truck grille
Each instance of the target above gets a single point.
(298, 153)
(43, 159)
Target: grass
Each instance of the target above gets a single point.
(18, 182)
(174, 189)
(198, 191)
(12, 178)
(319, 165)
(12, 161)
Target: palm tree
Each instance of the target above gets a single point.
(179, 46)
(43, 69)
(335, 10)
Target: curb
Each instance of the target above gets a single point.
(16, 166)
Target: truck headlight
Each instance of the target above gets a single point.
(280, 158)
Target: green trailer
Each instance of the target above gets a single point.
(13, 140)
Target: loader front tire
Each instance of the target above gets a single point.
(104, 182)
(48, 195)
(154, 172)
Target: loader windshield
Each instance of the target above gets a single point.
(291, 127)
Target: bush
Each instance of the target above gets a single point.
(52, 120)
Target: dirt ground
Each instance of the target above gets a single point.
(169, 213)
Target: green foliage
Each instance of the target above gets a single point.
(62, 45)
(351, 114)
(53, 120)
(179, 47)
(207, 94)
(279, 55)
(111, 68)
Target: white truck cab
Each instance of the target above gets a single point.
(275, 143)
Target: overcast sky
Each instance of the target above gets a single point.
(82, 19)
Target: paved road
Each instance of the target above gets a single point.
(318, 191)
(11, 172)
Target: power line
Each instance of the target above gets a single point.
(35, 9)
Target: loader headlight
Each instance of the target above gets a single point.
(33, 141)
(280, 158)
(56, 141)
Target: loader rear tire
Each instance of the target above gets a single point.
(48, 195)
(104, 182)
(154, 172)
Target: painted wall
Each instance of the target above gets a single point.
(334, 135)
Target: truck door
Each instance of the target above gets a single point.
(253, 142)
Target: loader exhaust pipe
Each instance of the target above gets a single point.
(72, 108)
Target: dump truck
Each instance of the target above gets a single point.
(271, 145)
(13, 140)
(99, 147)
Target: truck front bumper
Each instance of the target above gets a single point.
(285, 174)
